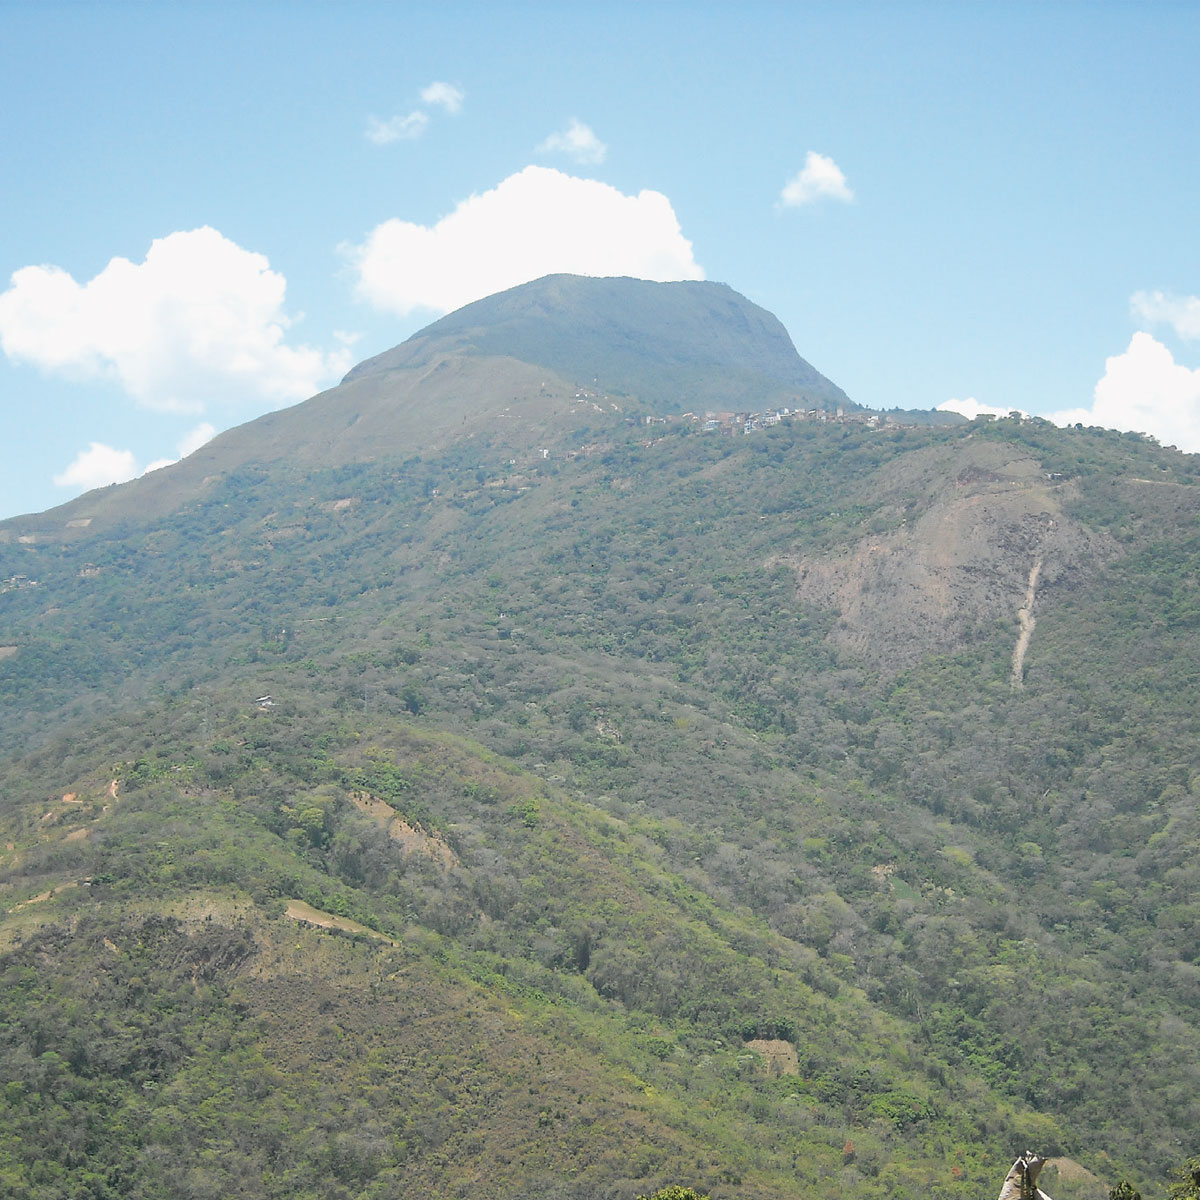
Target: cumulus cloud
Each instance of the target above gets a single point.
(97, 466)
(1182, 313)
(200, 322)
(188, 444)
(397, 129)
(1145, 390)
(819, 177)
(577, 141)
(972, 408)
(195, 438)
(536, 222)
(444, 95)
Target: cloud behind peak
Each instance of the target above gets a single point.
(536, 222)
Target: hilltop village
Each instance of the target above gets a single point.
(729, 423)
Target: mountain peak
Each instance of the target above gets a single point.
(671, 347)
(675, 346)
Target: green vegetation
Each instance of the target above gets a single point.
(557, 1005)
(1186, 1182)
(619, 753)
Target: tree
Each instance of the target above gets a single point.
(1186, 1183)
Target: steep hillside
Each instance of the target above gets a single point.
(230, 972)
(966, 534)
(674, 346)
(528, 368)
(609, 764)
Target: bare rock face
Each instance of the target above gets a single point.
(976, 537)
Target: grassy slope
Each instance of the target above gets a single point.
(676, 346)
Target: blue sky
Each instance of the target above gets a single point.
(214, 209)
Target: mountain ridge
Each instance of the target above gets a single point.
(506, 360)
(676, 346)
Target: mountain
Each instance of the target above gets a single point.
(518, 366)
(472, 781)
(674, 346)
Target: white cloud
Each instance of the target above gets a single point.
(1182, 313)
(199, 323)
(578, 141)
(819, 177)
(188, 444)
(972, 408)
(100, 465)
(1145, 390)
(397, 129)
(195, 438)
(97, 466)
(536, 222)
(411, 125)
(445, 95)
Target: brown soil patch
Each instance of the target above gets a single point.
(1068, 1168)
(413, 840)
(960, 560)
(7, 651)
(298, 910)
(77, 835)
(779, 1057)
(199, 908)
(42, 897)
(1073, 1179)
(378, 810)
(408, 837)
